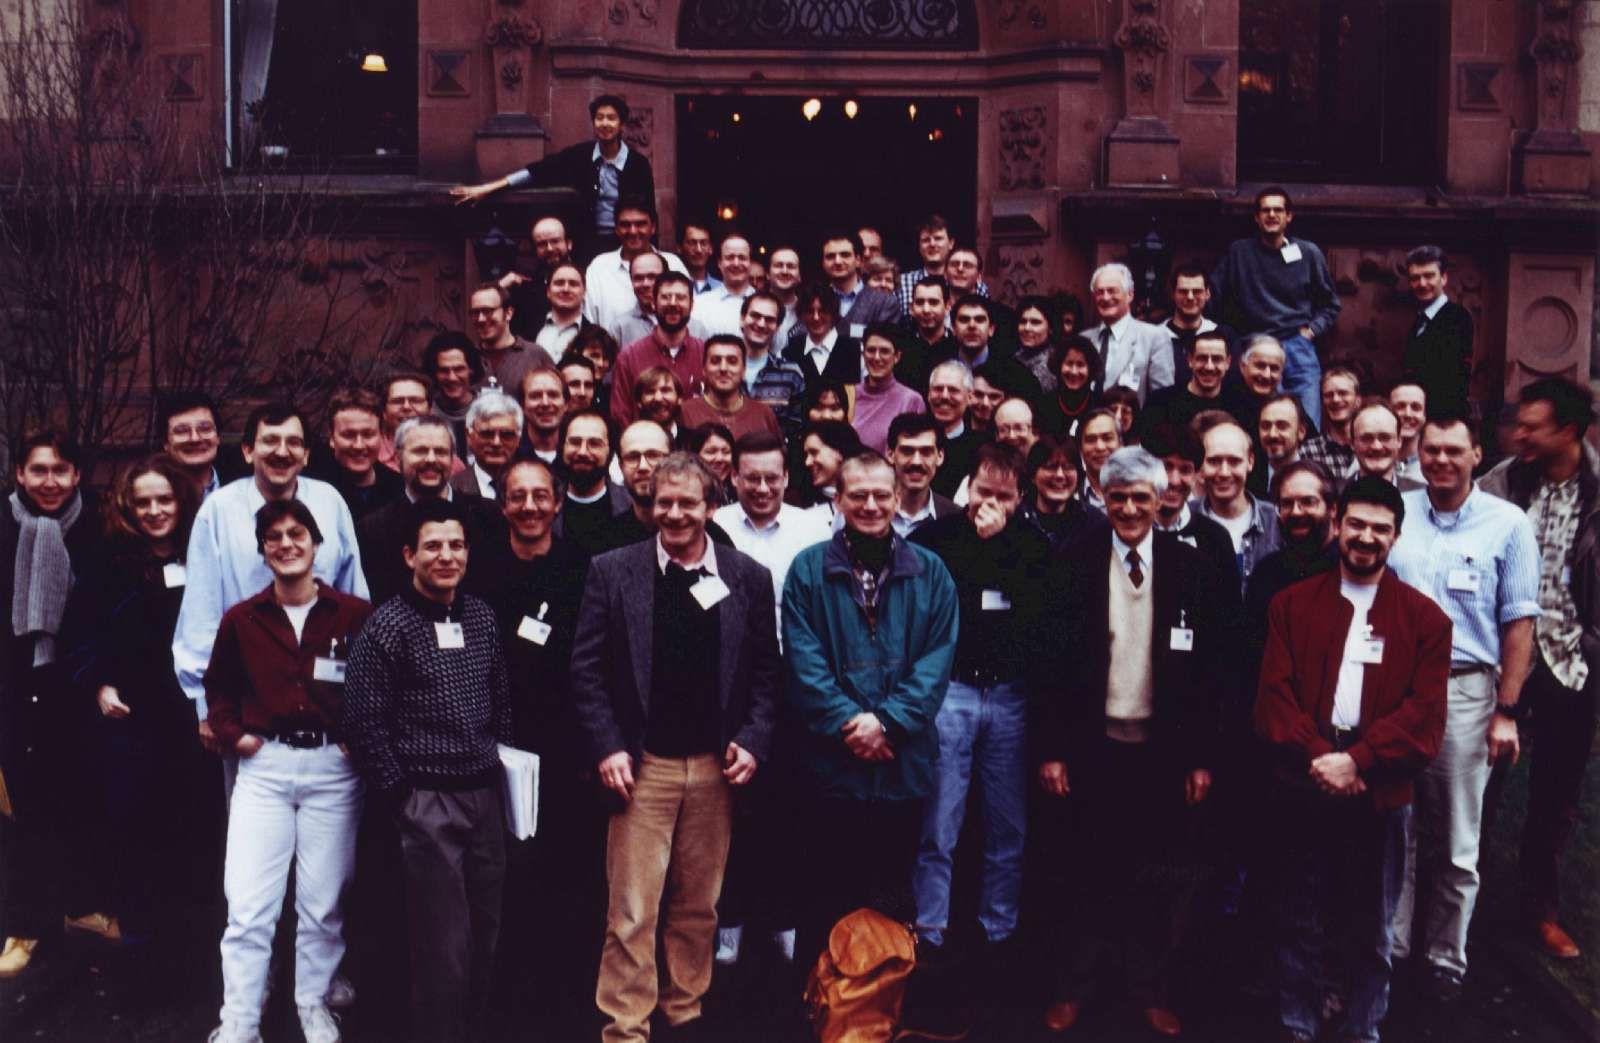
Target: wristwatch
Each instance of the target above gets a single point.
(1513, 711)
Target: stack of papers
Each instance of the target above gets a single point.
(520, 771)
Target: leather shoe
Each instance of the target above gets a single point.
(15, 957)
(1162, 1021)
(1556, 942)
(1059, 1017)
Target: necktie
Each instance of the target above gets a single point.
(1105, 346)
(1135, 573)
(1422, 324)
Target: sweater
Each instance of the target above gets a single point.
(1259, 292)
(1132, 615)
(876, 409)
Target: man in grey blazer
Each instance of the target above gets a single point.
(676, 695)
(1137, 355)
(859, 304)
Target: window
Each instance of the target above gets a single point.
(1340, 90)
(326, 84)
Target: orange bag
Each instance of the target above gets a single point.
(855, 991)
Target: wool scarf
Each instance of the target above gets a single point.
(43, 574)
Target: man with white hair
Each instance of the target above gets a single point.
(1127, 722)
(494, 430)
(1136, 354)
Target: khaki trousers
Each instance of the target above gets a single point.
(672, 837)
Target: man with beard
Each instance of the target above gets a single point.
(1304, 494)
(555, 903)
(916, 452)
(353, 438)
(506, 357)
(1353, 702)
(591, 499)
(425, 448)
(668, 345)
(452, 362)
(1179, 450)
(1225, 467)
(659, 395)
(494, 430)
(1205, 366)
(1375, 436)
(642, 445)
(1280, 430)
(1410, 403)
(544, 403)
(530, 299)
(191, 436)
(1341, 395)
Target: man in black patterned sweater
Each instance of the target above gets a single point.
(426, 701)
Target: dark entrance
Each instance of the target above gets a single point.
(760, 165)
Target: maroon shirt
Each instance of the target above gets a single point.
(641, 355)
(260, 677)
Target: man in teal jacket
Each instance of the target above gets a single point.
(869, 628)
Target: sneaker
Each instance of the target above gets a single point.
(318, 1025)
(784, 940)
(96, 923)
(728, 939)
(230, 1033)
(341, 994)
(1444, 985)
(16, 956)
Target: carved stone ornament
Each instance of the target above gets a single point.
(647, 10)
(511, 75)
(1013, 12)
(1143, 34)
(513, 32)
(1022, 146)
(640, 128)
(1020, 271)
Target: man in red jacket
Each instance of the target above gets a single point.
(1352, 699)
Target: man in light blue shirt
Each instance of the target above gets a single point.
(1476, 556)
(224, 565)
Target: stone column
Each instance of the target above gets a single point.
(1553, 160)
(512, 136)
(1142, 148)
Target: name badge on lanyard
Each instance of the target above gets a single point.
(535, 629)
(1369, 649)
(450, 635)
(173, 574)
(1182, 639)
(327, 668)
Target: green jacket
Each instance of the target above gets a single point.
(840, 664)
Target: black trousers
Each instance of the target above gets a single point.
(855, 854)
(1562, 728)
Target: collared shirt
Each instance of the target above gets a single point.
(908, 286)
(608, 180)
(225, 567)
(1555, 513)
(215, 481)
(636, 325)
(1179, 524)
(774, 545)
(820, 352)
(1480, 564)
(686, 361)
(1260, 538)
(847, 300)
(705, 285)
(485, 481)
(1338, 459)
(554, 337)
(1145, 548)
(708, 560)
(905, 524)
(717, 311)
(1431, 312)
(608, 288)
(1410, 467)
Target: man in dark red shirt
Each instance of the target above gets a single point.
(273, 688)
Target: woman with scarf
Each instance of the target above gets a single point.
(46, 531)
(122, 615)
(1078, 369)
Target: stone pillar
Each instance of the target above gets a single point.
(512, 137)
(1142, 148)
(1553, 160)
(1549, 315)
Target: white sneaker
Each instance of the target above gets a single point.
(318, 1026)
(728, 939)
(785, 943)
(341, 994)
(230, 1033)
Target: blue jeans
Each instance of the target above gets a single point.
(1302, 376)
(1343, 865)
(982, 729)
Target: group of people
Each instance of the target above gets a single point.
(780, 578)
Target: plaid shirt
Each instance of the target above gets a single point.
(1555, 513)
(908, 283)
(1340, 460)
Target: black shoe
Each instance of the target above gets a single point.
(1444, 986)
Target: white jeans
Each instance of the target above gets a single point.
(1444, 834)
(287, 803)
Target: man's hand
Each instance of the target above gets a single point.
(865, 737)
(510, 279)
(1503, 739)
(208, 738)
(989, 519)
(248, 745)
(1053, 778)
(616, 774)
(469, 194)
(1335, 774)
(740, 764)
(111, 704)
(1308, 333)
(1196, 786)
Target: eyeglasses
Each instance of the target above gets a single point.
(496, 435)
(194, 430)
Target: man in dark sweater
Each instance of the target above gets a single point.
(426, 702)
(591, 499)
(675, 679)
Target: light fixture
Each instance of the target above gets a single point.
(811, 108)
(374, 62)
(737, 117)
(851, 108)
(727, 211)
(911, 110)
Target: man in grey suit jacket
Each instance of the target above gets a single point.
(1136, 354)
(676, 695)
(859, 304)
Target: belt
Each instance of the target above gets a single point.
(1344, 738)
(984, 676)
(1474, 668)
(300, 738)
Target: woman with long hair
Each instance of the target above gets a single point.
(1077, 366)
(1036, 336)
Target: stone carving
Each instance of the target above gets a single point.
(511, 74)
(513, 32)
(1205, 80)
(1476, 91)
(449, 74)
(1020, 271)
(1022, 146)
(185, 77)
(640, 128)
(1143, 41)
(1013, 12)
(647, 10)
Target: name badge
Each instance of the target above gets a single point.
(173, 574)
(1129, 380)
(329, 670)
(1369, 650)
(1290, 252)
(450, 635)
(534, 630)
(858, 330)
(1182, 639)
(995, 601)
(709, 591)
(1464, 580)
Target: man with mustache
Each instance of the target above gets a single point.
(591, 499)
(354, 434)
(426, 448)
(1280, 430)
(916, 451)
(1352, 700)
(669, 345)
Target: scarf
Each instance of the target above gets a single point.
(43, 574)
